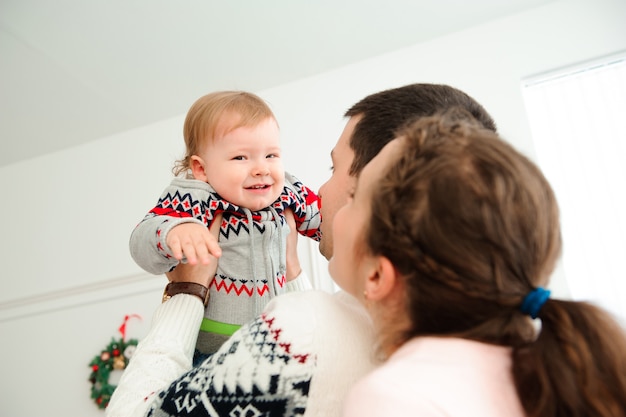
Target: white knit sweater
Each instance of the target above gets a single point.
(299, 358)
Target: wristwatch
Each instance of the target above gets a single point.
(192, 288)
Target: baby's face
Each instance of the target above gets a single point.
(245, 167)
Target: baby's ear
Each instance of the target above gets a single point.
(197, 168)
(383, 280)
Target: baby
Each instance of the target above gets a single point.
(234, 171)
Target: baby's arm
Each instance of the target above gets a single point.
(183, 211)
(297, 279)
(194, 242)
(305, 206)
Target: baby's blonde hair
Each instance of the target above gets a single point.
(207, 115)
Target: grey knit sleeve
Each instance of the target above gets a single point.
(183, 201)
(306, 207)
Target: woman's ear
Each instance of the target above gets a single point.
(382, 280)
(197, 168)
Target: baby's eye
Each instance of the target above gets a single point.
(273, 155)
(239, 158)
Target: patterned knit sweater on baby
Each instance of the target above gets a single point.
(251, 270)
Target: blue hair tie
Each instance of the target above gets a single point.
(534, 301)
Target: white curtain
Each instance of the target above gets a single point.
(578, 124)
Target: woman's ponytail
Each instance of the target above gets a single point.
(577, 365)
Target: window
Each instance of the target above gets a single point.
(578, 123)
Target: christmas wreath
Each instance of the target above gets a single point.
(114, 357)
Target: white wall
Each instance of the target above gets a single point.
(69, 279)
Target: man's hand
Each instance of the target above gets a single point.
(200, 274)
(293, 262)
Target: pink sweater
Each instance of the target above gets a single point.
(439, 377)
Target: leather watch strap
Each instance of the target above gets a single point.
(192, 288)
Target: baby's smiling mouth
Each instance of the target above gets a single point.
(258, 187)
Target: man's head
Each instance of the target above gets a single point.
(372, 124)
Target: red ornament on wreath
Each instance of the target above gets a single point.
(114, 357)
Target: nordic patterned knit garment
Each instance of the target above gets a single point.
(299, 358)
(251, 270)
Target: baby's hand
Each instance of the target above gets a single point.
(194, 242)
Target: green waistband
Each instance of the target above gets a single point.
(212, 326)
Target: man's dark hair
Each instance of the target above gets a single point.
(384, 113)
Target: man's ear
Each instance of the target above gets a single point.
(382, 280)
(197, 168)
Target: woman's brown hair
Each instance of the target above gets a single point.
(472, 226)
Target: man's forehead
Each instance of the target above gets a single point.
(342, 149)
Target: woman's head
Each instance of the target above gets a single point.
(468, 227)
(216, 114)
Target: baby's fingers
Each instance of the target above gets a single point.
(189, 249)
(212, 247)
(204, 249)
(183, 248)
(176, 248)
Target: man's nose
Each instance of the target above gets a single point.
(321, 190)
